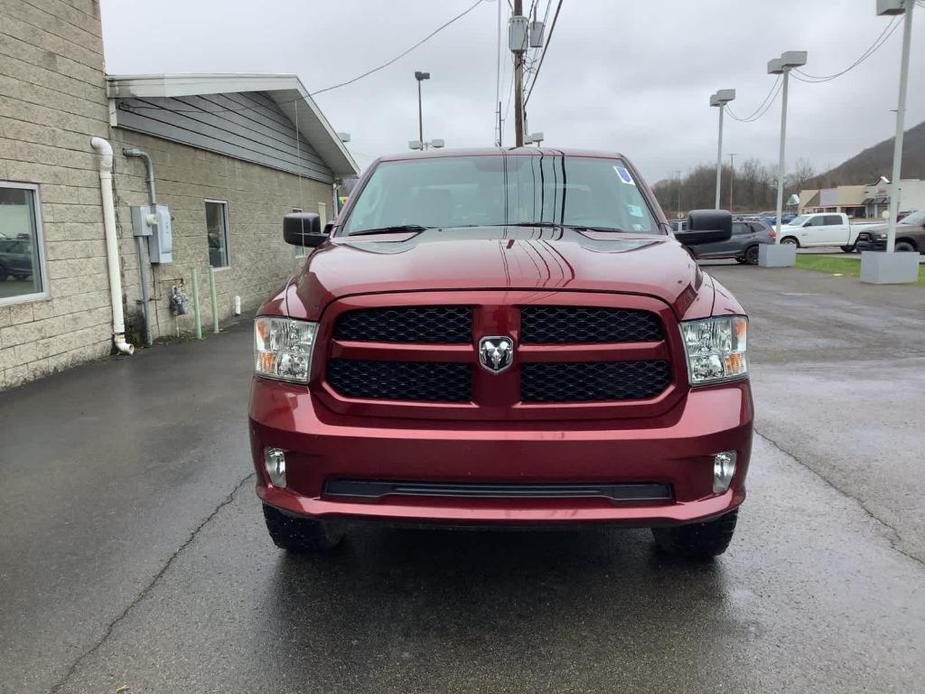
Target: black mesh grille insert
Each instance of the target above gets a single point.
(436, 324)
(602, 380)
(401, 380)
(575, 324)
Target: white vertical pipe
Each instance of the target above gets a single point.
(112, 245)
(900, 124)
(782, 163)
(719, 157)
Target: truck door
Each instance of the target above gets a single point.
(812, 232)
(834, 230)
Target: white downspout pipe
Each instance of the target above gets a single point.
(112, 245)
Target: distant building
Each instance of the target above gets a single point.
(864, 201)
(847, 199)
(231, 155)
(877, 197)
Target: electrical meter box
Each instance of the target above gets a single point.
(156, 227)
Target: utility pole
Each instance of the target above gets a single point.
(732, 176)
(518, 84)
(500, 135)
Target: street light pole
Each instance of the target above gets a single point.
(900, 125)
(778, 256)
(781, 164)
(679, 192)
(732, 176)
(720, 99)
(420, 77)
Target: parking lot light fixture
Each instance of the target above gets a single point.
(888, 8)
(892, 267)
(781, 66)
(719, 100)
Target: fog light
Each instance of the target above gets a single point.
(724, 467)
(275, 461)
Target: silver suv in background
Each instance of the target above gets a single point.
(747, 235)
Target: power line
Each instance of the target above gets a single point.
(339, 84)
(403, 53)
(873, 48)
(763, 107)
(543, 54)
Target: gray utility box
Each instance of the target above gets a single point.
(156, 227)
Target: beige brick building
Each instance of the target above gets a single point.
(231, 154)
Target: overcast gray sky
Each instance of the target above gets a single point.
(626, 75)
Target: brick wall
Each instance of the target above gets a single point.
(52, 101)
(257, 198)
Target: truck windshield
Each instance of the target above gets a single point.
(543, 189)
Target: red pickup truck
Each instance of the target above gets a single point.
(502, 337)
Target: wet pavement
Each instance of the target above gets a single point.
(132, 551)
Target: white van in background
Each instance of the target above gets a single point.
(820, 229)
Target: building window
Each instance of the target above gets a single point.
(217, 230)
(22, 275)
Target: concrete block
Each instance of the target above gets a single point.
(879, 267)
(780, 255)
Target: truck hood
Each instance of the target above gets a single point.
(486, 258)
(492, 258)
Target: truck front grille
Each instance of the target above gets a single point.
(578, 324)
(401, 380)
(595, 380)
(433, 324)
(562, 354)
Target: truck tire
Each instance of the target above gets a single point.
(301, 535)
(791, 240)
(847, 249)
(904, 246)
(698, 540)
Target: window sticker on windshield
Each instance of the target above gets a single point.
(624, 175)
(639, 227)
(634, 210)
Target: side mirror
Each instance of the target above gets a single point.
(303, 229)
(706, 226)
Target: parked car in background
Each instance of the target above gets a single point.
(770, 218)
(820, 229)
(910, 235)
(15, 258)
(742, 245)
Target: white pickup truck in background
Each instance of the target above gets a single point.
(820, 229)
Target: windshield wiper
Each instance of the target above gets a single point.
(387, 230)
(576, 227)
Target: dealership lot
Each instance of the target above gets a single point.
(138, 558)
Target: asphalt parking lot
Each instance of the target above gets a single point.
(133, 556)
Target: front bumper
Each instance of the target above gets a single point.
(674, 449)
(865, 243)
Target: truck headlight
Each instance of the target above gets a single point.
(715, 348)
(283, 348)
